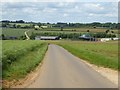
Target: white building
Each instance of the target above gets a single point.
(47, 38)
(108, 39)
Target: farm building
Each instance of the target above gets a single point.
(86, 37)
(108, 39)
(44, 27)
(36, 26)
(47, 38)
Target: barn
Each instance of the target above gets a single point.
(47, 38)
(87, 37)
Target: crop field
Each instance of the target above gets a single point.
(42, 31)
(93, 30)
(102, 54)
(22, 24)
(39, 31)
(20, 57)
(13, 32)
(17, 32)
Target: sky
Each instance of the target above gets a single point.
(60, 11)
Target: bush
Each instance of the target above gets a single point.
(12, 55)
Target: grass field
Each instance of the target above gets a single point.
(20, 32)
(20, 57)
(22, 24)
(14, 32)
(98, 53)
(93, 30)
(40, 31)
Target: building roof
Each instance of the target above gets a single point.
(47, 37)
(85, 36)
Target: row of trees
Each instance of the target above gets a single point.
(72, 35)
(94, 25)
(18, 21)
(7, 25)
(110, 25)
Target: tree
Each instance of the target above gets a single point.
(88, 30)
(32, 35)
(96, 24)
(22, 37)
(107, 24)
(39, 24)
(61, 28)
(3, 37)
(14, 25)
(20, 21)
(107, 31)
(18, 26)
(4, 25)
(112, 31)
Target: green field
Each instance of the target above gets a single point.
(14, 32)
(17, 32)
(22, 24)
(20, 57)
(70, 29)
(98, 53)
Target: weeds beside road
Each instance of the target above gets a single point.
(20, 57)
(98, 53)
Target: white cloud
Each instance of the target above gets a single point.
(49, 10)
(59, 0)
(29, 10)
(65, 14)
(56, 11)
(39, 0)
(93, 6)
(76, 7)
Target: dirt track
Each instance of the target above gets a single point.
(28, 38)
(63, 70)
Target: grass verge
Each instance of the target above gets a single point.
(100, 54)
(24, 64)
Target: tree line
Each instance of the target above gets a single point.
(7, 23)
(72, 36)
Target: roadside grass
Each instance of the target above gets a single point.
(98, 53)
(25, 63)
(12, 50)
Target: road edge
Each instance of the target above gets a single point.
(105, 72)
(30, 77)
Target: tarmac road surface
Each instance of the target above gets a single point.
(61, 69)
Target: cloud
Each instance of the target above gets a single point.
(40, 0)
(60, 11)
(94, 6)
(60, 1)
(65, 14)
(49, 10)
